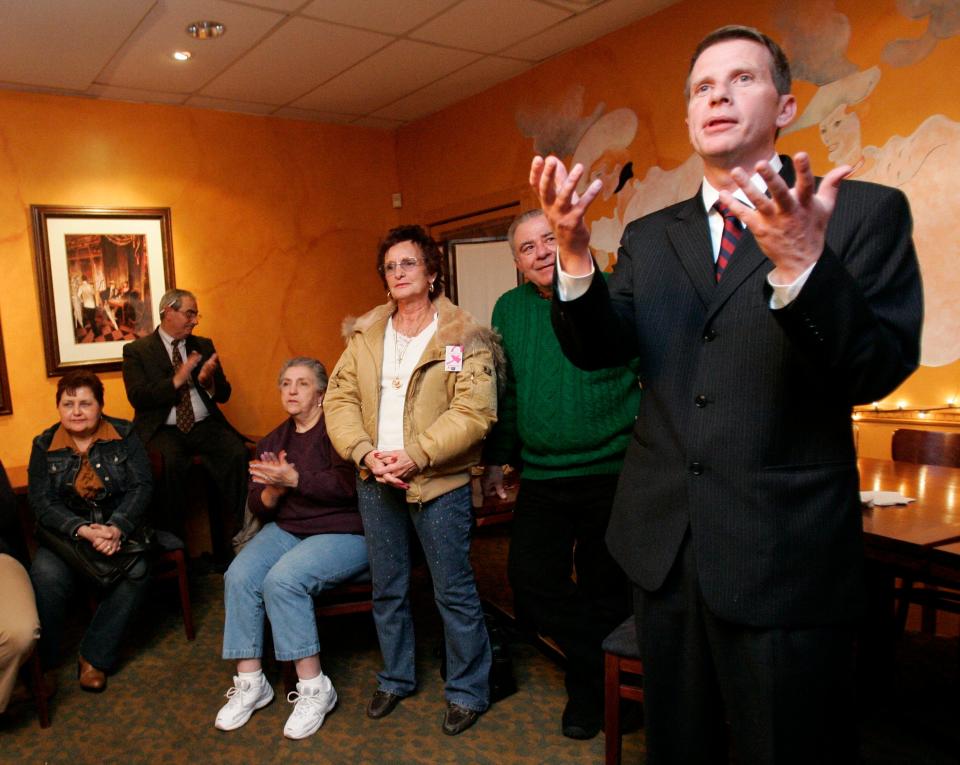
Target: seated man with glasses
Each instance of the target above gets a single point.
(174, 382)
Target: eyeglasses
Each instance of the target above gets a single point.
(406, 264)
(190, 314)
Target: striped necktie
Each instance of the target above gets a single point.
(185, 417)
(729, 239)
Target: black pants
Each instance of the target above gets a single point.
(224, 458)
(559, 527)
(787, 694)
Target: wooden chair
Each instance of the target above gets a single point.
(38, 686)
(926, 447)
(623, 671)
(172, 560)
(172, 564)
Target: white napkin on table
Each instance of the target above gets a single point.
(884, 498)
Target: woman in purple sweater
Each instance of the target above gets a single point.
(312, 541)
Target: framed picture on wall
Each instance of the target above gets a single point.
(101, 272)
(5, 406)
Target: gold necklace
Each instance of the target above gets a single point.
(399, 354)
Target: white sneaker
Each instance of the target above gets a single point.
(311, 706)
(245, 698)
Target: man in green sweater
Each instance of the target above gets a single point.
(567, 431)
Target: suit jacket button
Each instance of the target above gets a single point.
(696, 468)
(709, 335)
(700, 401)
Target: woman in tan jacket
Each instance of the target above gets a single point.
(410, 401)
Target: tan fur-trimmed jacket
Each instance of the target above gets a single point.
(446, 414)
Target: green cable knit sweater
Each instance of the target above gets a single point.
(555, 420)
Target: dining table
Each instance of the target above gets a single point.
(914, 542)
(910, 537)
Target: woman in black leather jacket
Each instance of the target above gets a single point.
(89, 478)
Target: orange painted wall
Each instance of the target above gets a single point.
(275, 221)
(275, 226)
(472, 154)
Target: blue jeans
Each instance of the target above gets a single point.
(281, 573)
(55, 585)
(443, 526)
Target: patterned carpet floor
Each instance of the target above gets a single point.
(160, 704)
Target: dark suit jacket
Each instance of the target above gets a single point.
(744, 433)
(148, 377)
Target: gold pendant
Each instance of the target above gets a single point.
(397, 383)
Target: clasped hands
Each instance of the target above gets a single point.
(392, 468)
(104, 539)
(789, 225)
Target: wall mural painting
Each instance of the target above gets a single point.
(815, 36)
(920, 164)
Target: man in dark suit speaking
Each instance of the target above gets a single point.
(757, 322)
(174, 382)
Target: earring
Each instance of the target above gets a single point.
(432, 286)
(389, 296)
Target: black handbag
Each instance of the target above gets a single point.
(102, 570)
(503, 683)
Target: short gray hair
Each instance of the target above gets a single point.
(174, 299)
(521, 218)
(317, 367)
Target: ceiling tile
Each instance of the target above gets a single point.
(293, 60)
(577, 6)
(287, 6)
(489, 25)
(311, 115)
(38, 39)
(585, 27)
(229, 105)
(145, 60)
(388, 16)
(395, 71)
(377, 122)
(136, 96)
(474, 78)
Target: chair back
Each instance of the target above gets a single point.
(926, 447)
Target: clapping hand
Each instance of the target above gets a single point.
(209, 368)
(182, 375)
(274, 470)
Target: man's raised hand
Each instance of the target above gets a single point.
(565, 209)
(790, 225)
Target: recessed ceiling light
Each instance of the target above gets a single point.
(206, 30)
(182, 55)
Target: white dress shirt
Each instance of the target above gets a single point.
(199, 408)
